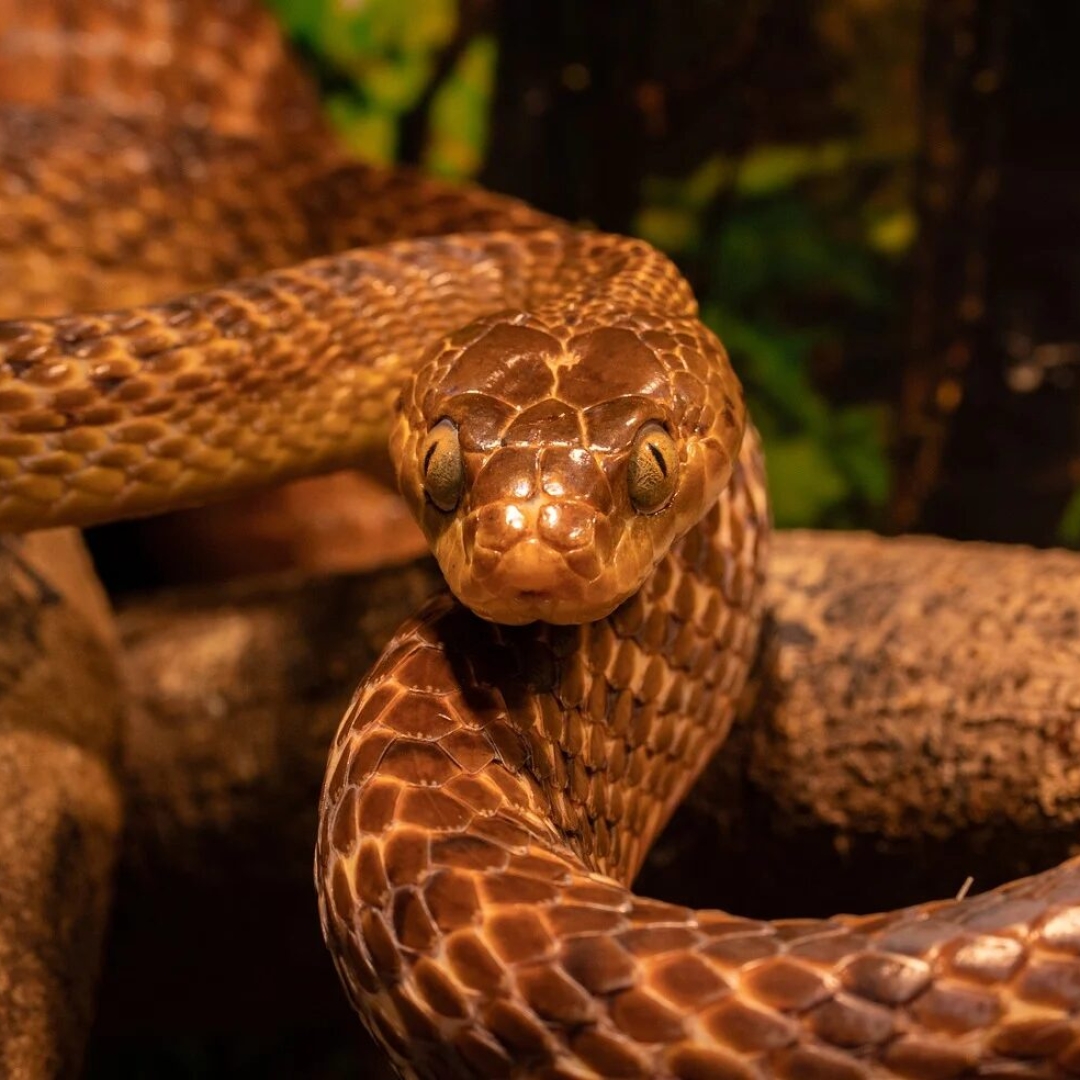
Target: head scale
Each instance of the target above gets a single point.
(552, 471)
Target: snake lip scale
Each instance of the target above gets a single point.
(574, 443)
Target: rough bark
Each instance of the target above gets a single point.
(60, 702)
(916, 722)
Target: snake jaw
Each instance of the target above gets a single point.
(532, 561)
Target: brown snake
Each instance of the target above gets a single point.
(572, 440)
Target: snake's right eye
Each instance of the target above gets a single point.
(444, 467)
(653, 471)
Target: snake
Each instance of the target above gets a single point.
(203, 295)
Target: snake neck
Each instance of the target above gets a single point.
(480, 765)
(637, 703)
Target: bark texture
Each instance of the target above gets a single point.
(915, 723)
(60, 702)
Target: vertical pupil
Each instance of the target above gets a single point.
(658, 457)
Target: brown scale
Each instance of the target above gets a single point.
(494, 789)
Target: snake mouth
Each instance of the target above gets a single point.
(524, 588)
(543, 604)
(518, 606)
(528, 568)
(528, 601)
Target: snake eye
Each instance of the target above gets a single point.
(654, 461)
(444, 467)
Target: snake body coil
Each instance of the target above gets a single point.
(574, 443)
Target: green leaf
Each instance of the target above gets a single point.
(669, 228)
(803, 482)
(460, 111)
(369, 133)
(1068, 530)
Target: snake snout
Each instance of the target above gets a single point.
(564, 527)
(538, 547)
(529, 568)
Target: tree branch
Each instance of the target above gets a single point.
(915, 722)
(60, 703)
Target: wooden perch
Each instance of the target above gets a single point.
(915, 723)
(60, 706)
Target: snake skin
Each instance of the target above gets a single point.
(493, 789)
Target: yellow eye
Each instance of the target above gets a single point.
(444, 467)
(654, 463)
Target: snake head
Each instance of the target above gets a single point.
(551, 470)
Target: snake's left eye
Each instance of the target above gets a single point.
(444, 467)
(654, 462)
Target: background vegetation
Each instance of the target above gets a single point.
(796, 240)
(875, 200)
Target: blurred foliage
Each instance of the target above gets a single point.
(780, 264)
(377, 58)
(1068, 531)
(810, 242)
(788, 246)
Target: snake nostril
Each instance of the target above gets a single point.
(499, 526)
(567, 526)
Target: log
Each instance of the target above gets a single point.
(914, 723)
(60, 706)
(237, 691)
(917, 724)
